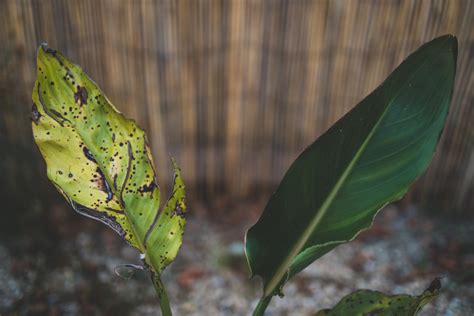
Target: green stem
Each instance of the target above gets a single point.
(160, 291)
(262, 306)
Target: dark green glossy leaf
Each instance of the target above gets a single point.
(375, 303)
(100, 161)
(367, 159)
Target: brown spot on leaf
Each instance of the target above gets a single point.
(88, 154)
(35, 115)
(178, 211)
(148, 188)
(81, 95)
(48, 50)
(104, 185)
(114, 210)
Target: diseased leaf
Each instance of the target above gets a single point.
(100, 161)
(367, 159)
(375, 303)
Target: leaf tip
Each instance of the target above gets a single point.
(174, 163)
(44, 49)
(43, 46)
(454, 46)
(451, 42)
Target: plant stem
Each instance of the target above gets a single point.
(160, 291)
(262, 306)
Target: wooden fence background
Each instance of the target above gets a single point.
(235, 90)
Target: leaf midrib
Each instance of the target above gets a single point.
(283, 267)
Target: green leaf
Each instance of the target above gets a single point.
(100, 161)
(367, 159)
(367, 302)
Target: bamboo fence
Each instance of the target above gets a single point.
(235, 90)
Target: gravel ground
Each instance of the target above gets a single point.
(402, 253)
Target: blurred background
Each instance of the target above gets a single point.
(234, 90)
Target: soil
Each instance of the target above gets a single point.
(73, 271)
